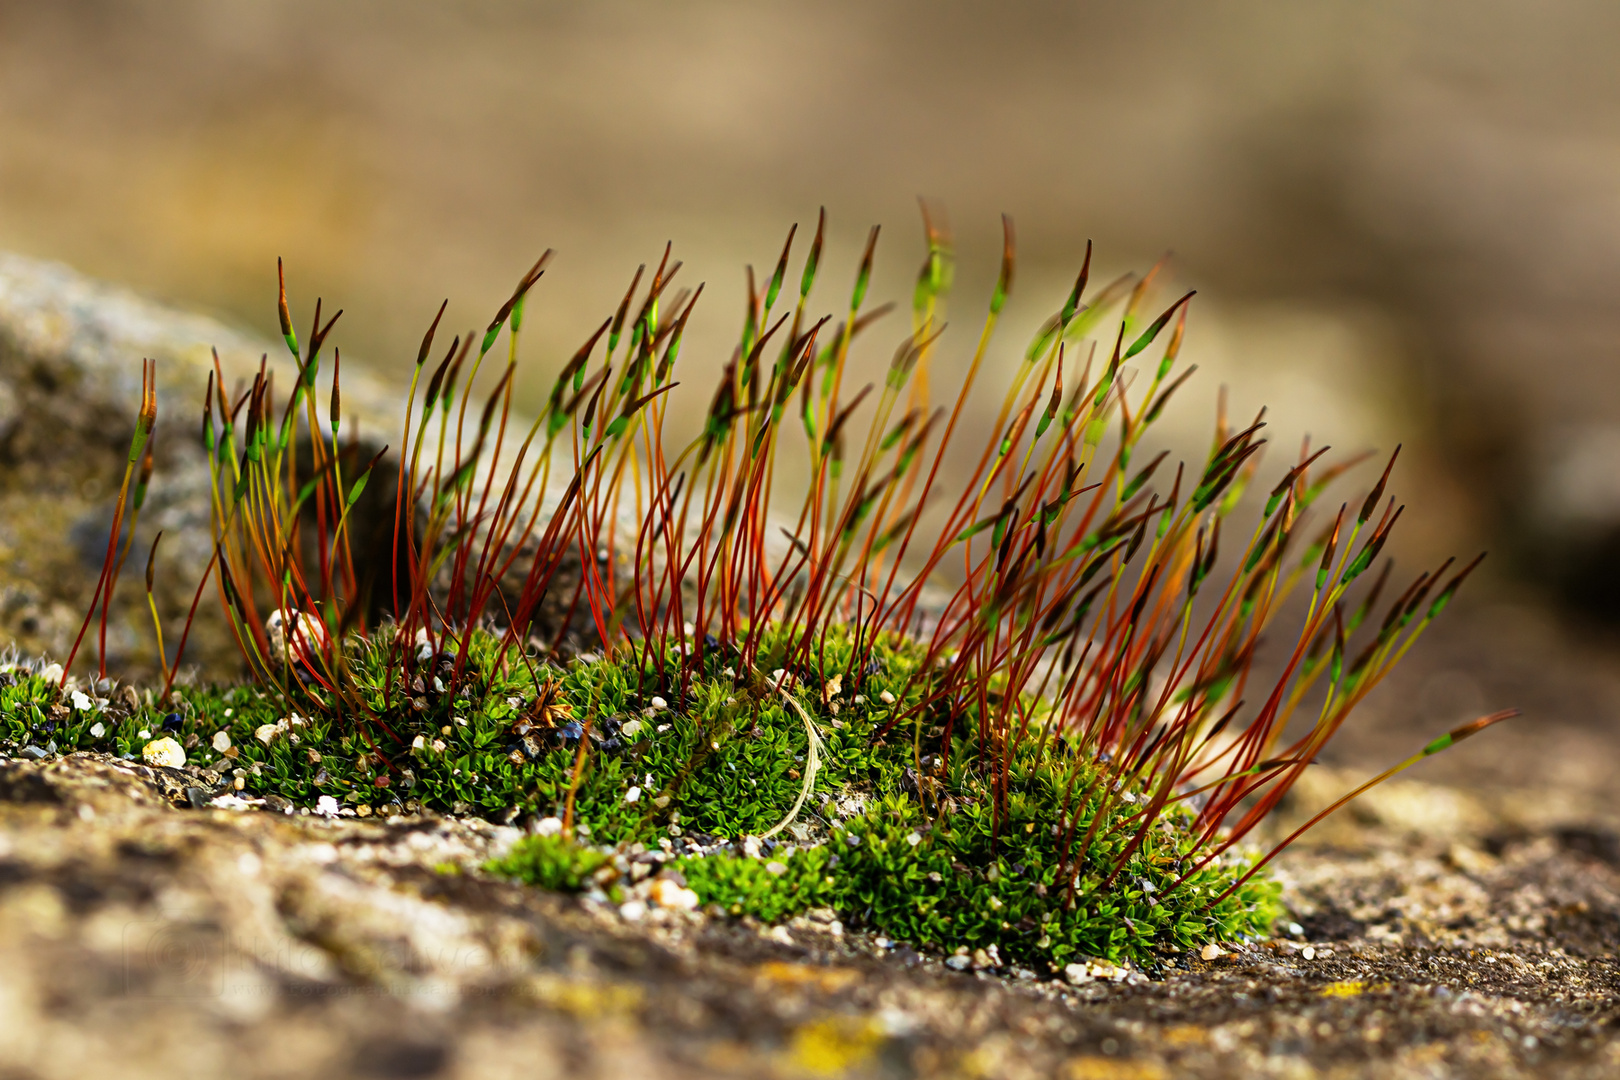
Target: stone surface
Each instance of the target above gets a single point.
(70, 379)
(165, 753)
(262, 942)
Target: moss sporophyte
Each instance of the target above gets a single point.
(1014, 707)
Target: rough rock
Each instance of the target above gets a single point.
(257, 943)
(70, 378)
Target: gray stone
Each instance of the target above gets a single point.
(70, 380)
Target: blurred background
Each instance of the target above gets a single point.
(1403, 220)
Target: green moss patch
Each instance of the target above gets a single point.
(691, 776)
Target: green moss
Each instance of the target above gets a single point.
(553, 862)
(728, 760)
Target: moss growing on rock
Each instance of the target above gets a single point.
(707, 775)
(1058, 758)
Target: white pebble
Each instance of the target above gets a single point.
(659, 704)
(165, 752)
(548, 826)
(222, 741)
(327, 806)
(1308, 953)
(667, 894)
(97, 730)
(630, 729)
(632, 911)
(1213, 951)
(776, 868)
(633, 795)
(81, 701)
(306, 640)
(886, 697)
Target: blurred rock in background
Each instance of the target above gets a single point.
(1404, 222)
(70, 385)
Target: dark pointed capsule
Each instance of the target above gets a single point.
(337, 394)
(1158, 324)
(864, 277)
(811, 263)
(775, 286)
(1072, 304)
(624, 308)
(282, 311)
(1473, 727)
(427, 338)
(1450, 590)
(1008, 260)
(1378, 491)
(151, 560)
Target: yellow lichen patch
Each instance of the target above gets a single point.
(580, 998)
(1186, 1035)
(1344, 989)
(833, 1045)
(826, 979)
(1105, 1068)
(1427, 1054)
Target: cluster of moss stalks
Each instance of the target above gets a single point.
(697, 774)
